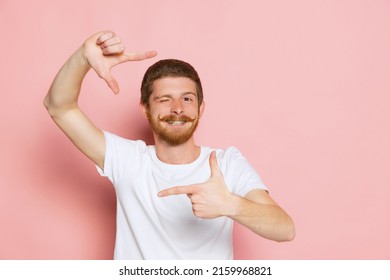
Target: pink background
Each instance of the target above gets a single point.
(300, 87)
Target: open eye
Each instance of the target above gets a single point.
(187, 99)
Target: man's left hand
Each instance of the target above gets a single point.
(210, 199)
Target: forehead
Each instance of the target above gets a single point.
(173, 85)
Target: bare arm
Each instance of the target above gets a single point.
(257, 210)
(261, 214)
(100, 52)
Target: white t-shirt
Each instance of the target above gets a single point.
(152, 227)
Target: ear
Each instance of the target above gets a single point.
(144, 109)
(201, 109)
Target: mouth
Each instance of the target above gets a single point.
(176, 123)
(176, 120)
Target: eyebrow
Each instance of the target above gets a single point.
(170, 96)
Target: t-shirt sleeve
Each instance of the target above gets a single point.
(239, 175)
(121, 156)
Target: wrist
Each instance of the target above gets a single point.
(80, 59)
(232, 206)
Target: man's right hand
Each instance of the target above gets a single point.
(104, 50)
(101, 52)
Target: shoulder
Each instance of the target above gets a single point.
(119, 141)
(238, 173)
(232, 161)
(227, 158)
(122, 148)
(228, 154)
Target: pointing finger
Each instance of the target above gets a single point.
(137, 56)
(189, 190)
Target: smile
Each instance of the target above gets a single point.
(176, 123)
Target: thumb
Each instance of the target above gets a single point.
(214, 165)
(111, 82)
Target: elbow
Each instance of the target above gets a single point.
(288, 232)
(290, 235)
(46, 102)
(51, 107)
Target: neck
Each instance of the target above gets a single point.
(179, 154)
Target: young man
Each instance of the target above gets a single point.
(176, 200)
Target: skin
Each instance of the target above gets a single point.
(176, 97)
(170, 97)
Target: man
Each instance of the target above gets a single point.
(176, 200)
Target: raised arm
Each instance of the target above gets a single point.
(101, 52)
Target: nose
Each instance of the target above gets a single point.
(177, 108)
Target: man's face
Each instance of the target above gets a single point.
(174, 111)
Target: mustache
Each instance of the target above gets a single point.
(173, 118)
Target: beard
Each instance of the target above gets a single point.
(173, 135)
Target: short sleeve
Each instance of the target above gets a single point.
(239, 175)
(121, 156)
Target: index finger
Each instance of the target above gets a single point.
(137, 56)
(177, 191)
